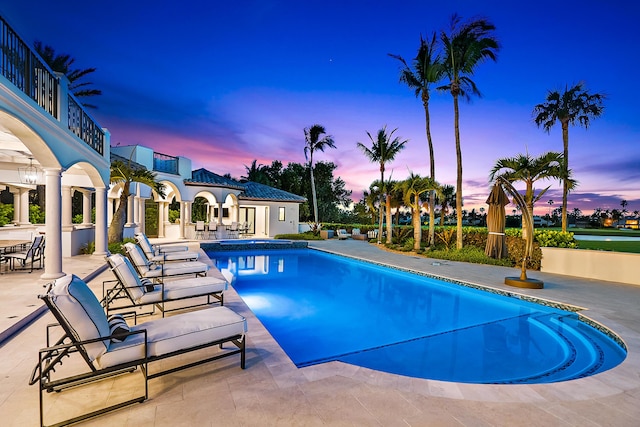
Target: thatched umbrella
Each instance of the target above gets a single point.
(496, 242)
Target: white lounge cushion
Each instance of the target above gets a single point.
(148, 248)
(174, 256)
(176, 333)
(125, 272)
(150, 270)
(82, 311)
(184, 288)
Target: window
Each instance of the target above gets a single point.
(281, 214)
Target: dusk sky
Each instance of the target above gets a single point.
(224, 83)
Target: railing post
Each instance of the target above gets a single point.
(63, 99)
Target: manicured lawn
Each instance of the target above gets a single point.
(604, 232)
(610, 246)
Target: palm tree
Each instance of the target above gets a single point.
(573, 106)
(126, 173)
(315, 141)
(427, 69)
(528, 169)
(62, 63)
(384, 149)
(372, 197)
(465, 47)
(256, 173)
(413, 188)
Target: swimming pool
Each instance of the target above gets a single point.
(321, 307)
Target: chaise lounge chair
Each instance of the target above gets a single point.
(157, 255)
(149, 270)
(342, 234)
(161, 248)
(109, 347)
(129, 291)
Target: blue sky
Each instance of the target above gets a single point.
(224, 83)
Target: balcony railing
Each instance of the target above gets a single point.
(26, 70)
(165, 163)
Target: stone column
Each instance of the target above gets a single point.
(67, 221)
(53, 224)
(24, 206)
(16, 204)
(110, 203)
(130, 218)
(143, 218)
(101, 228)
(161, 219)
(183, 218)
(86, 207)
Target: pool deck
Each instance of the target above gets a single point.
(272, 391)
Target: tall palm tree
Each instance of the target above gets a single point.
(465, 47)
(384, 149)
(315, 141)
(573, 106)
(62, 63)
(126, 173)
(528, 169)
(372, 199)
(427, 69)
(413, 188)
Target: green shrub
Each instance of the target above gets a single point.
(118, 247)
(300, 236)
(6, 214)
(547, 238)
(36, 215)
(173, 215)
(471, 254)
(88, 249)
(515, 247)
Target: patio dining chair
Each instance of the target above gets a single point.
(200, 229)
(35, 252)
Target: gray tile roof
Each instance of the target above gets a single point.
(204, 177)
(255, 191)
(250, 190)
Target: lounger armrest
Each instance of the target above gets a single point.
(122, 336)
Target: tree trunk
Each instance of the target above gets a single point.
(116, 229)
(313, 191)
(565, 184)
(381, 202)
(389, 225)
(417, 226)
(432, 169)
(456, 118)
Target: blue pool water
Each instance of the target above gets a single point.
(321, 307)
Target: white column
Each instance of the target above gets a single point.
(166, 213)
(86, 207)
(53, 224)
(161, 219)
(130, 219)
(136, 210)
(109, 210)
(187, 213)
(24, 206)
(101, 223)
(67, 221)
(16, 204)
(143, 218)
(183, 218)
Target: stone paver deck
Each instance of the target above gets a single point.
(272, 391)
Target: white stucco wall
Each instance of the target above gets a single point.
(600, 265)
